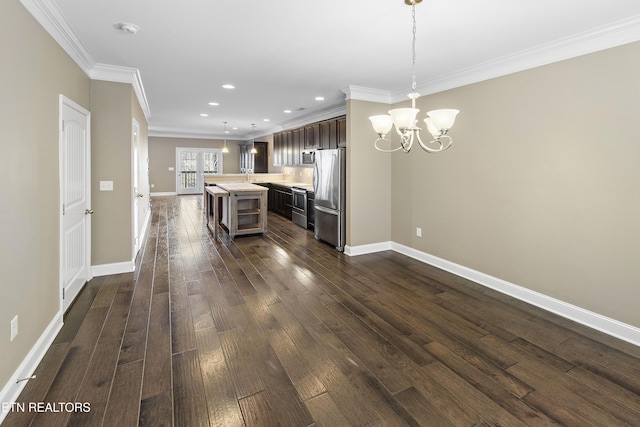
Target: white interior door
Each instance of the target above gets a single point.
(75, 198)
(136, 188)
(193, 164)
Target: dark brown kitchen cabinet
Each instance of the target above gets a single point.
(277, 149)
(280, 200)
(289, 145)
(342, 132)
(297, 137)
(312, 136)
(287, 149)
(328, 135)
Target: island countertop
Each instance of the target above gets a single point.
(233, 187)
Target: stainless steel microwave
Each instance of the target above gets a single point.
(308, 157)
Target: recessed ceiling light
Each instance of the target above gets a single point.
(204, 115)
(235, 128)
(228, 86)
(319, 98)
(266, 120)
(215, 104)
(287, 111)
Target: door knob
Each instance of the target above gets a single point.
(140, 195)
(88, 211)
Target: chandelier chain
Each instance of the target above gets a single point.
(413, 47)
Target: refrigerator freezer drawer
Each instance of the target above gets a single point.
(329, 227)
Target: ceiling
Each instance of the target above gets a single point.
(281, 54)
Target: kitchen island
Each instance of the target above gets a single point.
(240, 207)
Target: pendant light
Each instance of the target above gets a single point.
(253, 139)
(225, 150)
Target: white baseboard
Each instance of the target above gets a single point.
(115, 268)
(167, 193)
(12, 389)
(588, 318)
(367, 249)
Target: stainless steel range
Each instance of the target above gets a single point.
(299, 207)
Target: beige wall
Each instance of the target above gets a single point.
(34, 73)
(111, 130)
(541, 186)
(368, 178)
(162, 156)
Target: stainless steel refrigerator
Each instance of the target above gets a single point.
(329, 176)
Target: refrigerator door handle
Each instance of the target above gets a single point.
(327, 210)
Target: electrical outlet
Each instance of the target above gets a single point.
(419, 232)
(14, 327)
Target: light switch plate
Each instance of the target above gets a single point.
(106, 185)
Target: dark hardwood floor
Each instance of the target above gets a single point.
(282, 330)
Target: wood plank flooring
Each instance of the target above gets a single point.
(282, 330)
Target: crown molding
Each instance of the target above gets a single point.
(50, 17)
(362, 93)
(616, 34)
(339, 110)
(330, 113)
(609, 36)
(116, 73)
(47, 13)
(180, 133)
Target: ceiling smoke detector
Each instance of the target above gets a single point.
(128, 28)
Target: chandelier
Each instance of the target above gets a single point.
(404, 119)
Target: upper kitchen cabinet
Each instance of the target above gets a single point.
(277, 149)
(311, 136)
(289, 145)
(328, 135)
(342, 132)
(297, 141)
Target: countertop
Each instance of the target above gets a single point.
(240, 186)
(259, 178)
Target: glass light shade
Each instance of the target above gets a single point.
(225, 150)
(381, 124)
(433, 130)
(443, 119)
(253, 151)
(404, 118)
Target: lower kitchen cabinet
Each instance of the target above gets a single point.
(280, 200)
